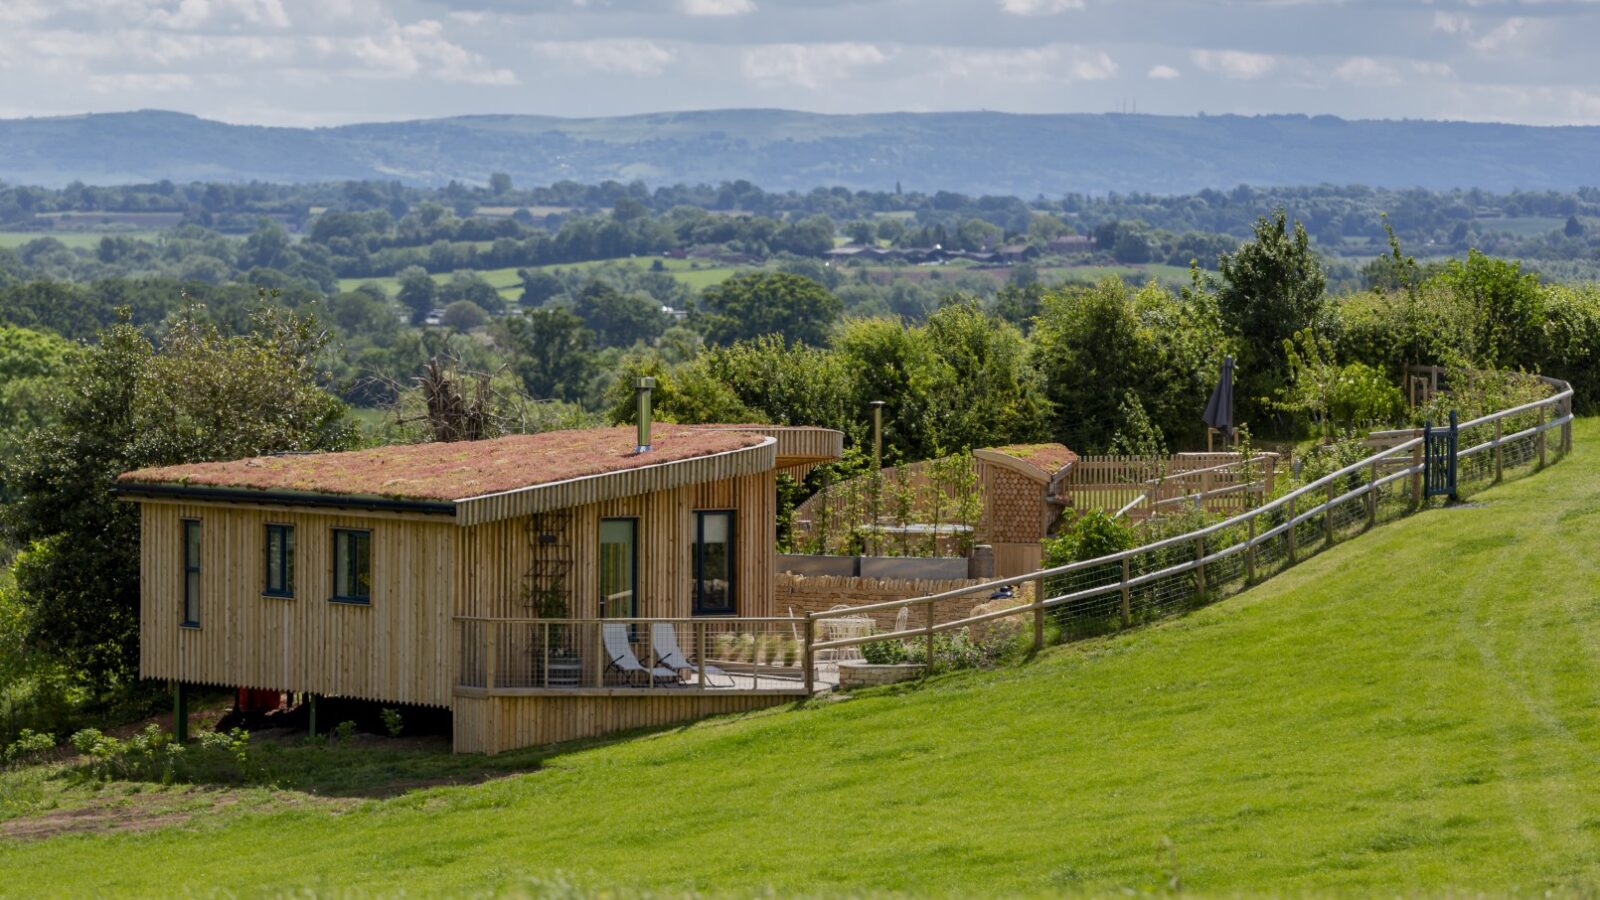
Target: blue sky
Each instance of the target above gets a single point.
(318, 62)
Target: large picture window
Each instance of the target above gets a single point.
(713, 563)
(280, 561)
(352, 566)
(191, 573)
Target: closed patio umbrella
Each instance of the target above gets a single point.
(1219, 411)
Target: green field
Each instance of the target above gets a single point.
(74, 239)
(1159, 271)
(1411, 712)
(696, 275)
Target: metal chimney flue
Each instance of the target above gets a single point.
(641, 389)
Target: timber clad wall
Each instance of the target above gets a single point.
(397, 649)
(496, 556)
(425, 571)
(493, 724)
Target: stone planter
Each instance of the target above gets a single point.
(864, 675)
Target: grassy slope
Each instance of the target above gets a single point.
(510, 286)
(1415, 709)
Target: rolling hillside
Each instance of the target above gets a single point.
(975, 152)
(1413, 711)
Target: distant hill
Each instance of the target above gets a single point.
(977, 152)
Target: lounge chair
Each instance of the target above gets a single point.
(614, 635)
(664, 641)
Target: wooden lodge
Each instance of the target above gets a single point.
(540, 587)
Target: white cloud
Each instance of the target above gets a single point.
(1039, 7)
(717, 7)
(1364, 70)
(1052, 62)
(614, 56)
(1501, 35)
(807, 65)
(1235, 64)
(197, 14)
(1163, 73)
(1451, 23)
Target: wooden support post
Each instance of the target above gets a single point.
(1499, 452)
(1038, 614)
(700, 653)
(180, 713)
(1372, 494)
(1293, 540)
(1540, 437)
(1566, 430)
(927, 668)
(1416, 477)
(1200, 571)
(1327, 517)
(809, 656)
(1250, 554)
(493, 655)
(311, 715)
(1127, 610)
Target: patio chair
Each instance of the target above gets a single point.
(664, 638)
(619, 653)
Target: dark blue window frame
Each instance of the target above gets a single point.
(352, 566)
(191, 573)
(280, 572)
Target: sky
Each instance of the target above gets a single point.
(327, 62)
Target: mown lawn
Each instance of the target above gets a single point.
(1414, 711)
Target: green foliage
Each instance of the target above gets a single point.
(618, 319)
(1506, 309)
(1092, 535)
(1329, 396)
(551, 350)
(199, 395)
(1136, 435)
(392, 722)
(344, 732)
(29, 746)
(796, 308)
(1271, 289)
(885, 653)
(152, 755)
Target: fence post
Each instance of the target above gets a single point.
(1293, 539)
(1540, 437)
(1127, 610)
(1566, 430)
(1499, 453)
(927, 669)
(1372, 494)
(1416, 476)
(1200, 571)
(807, 654)
(493, 656)
(700, 653)
(1250, 554)
(1038, 614)
(1327, 517)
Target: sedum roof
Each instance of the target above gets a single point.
(459, 471)
(1048, 458)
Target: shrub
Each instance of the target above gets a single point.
(884, 653)
(344, 731)
(28, 747)
(392, 722)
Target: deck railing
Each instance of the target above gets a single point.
(1158, 579)
(525, 655)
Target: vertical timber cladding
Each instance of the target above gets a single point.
(495, 724)
(496, 556)
(397, 648)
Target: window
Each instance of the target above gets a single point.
(280, 561)
(352, 566)
(713, 564)
(191, 573)
(619, 559)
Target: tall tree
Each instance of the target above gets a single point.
(1271, 288)
(197, 396)
(553, 352)
(796, 308)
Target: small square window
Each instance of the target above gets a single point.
(352, 566)
(280, 561)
